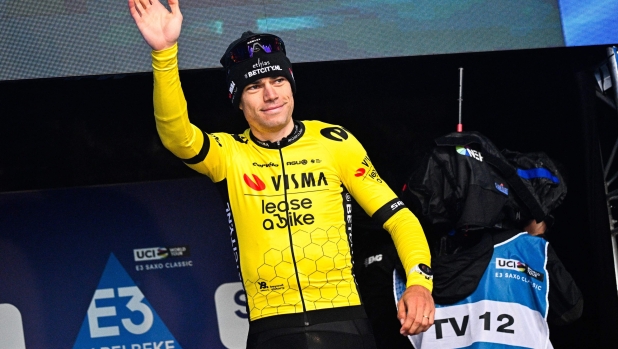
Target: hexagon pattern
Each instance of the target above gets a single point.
(324, 264)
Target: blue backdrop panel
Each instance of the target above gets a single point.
(127, 266)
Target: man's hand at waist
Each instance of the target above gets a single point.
(415, 310)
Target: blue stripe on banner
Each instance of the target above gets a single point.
(537, 173)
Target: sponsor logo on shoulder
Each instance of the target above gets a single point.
(240, 138)
(216, 139)
(368, 169)
(334, 133)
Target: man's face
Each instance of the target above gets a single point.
(268, 104)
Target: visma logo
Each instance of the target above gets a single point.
(119, 316)
(255, 184)
(299, 180)
(231, 306)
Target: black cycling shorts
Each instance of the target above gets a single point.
(352, 334)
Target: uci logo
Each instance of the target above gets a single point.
(502, 263)
(148, 254)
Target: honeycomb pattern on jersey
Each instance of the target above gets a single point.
(325, 271)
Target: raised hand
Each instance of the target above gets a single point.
(159, 27)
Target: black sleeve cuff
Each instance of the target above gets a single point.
(388, 210)
(202, 154)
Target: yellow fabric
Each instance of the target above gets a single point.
(411, 244)
(304, 180)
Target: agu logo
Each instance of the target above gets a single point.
(256, 183)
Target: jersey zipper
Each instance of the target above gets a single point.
(285, 197)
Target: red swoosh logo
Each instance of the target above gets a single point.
(360, 172)
(256, 184)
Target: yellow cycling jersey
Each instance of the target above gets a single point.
(289, 204)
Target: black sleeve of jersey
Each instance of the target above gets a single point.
(388, 210)
(565, 299)
(202, 154)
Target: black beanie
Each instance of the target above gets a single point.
(261, 65)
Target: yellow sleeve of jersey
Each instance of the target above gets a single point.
(380, 202)
(178, 135)
(411, 244)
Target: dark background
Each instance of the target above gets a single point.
(100, 130)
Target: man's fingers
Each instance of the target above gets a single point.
(428, 314)
(427, 320)
(174, 6)
(134, 11)
(410, 319)
(431, 318)
(416, 310)
(405, 316)
(142, 4)
(401, 311)
(417, 323)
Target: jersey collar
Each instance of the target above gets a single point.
(296, 134)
